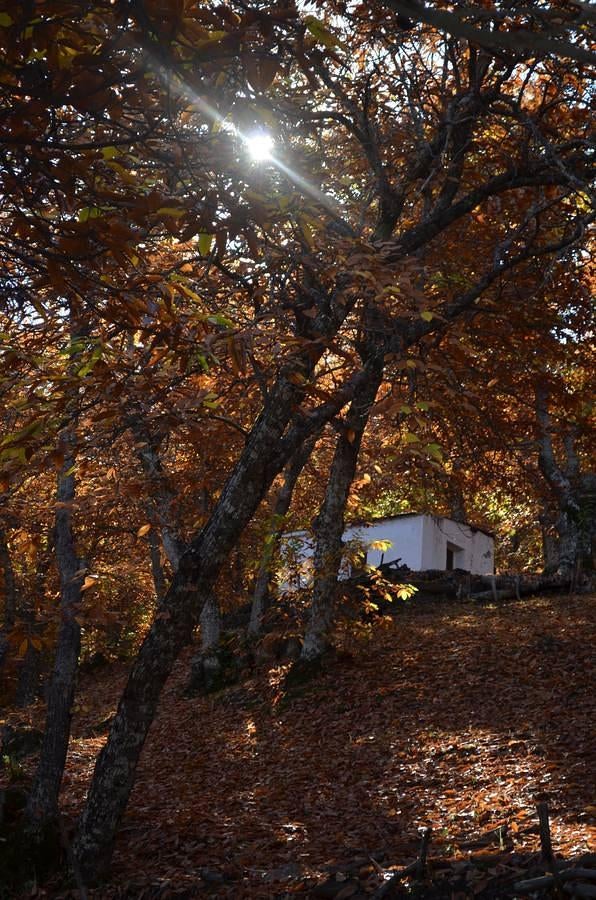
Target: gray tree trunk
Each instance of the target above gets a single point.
(206, 669)
(329, 525)
(159, 578)
(280, 510)
(550, 544)
(42, 805)
(563, 481)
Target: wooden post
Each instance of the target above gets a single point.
(424, 844)
(493, 586)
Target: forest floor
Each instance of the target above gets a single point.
(453, 716)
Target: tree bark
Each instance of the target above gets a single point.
(206, 669)
(329, 526)
(159, 579)
(261, 460)
(10, 594)
(563, 483)
(280, 511)
(42, 806)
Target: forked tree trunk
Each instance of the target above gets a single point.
(280, 510)
(42, 806)
(159, 508)
(329, 526)
(260, 462)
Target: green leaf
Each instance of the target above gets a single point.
(411, 438)
(427, 315)
(11, 453)
(5, 20)
(89, 212)
(18, 436)
(435, 451)
(205, 242)
(109, 152)
(88, 366)
(218, 319)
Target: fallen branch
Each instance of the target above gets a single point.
(417, 868)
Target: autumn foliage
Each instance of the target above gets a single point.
(267, 268)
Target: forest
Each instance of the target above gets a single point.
(270, 268)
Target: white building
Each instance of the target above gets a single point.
(420, 542)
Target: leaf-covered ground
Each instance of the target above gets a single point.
(457, 717)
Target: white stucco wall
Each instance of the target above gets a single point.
(405, 534)
(473, 550)
(418, 541)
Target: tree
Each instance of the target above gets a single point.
(399, 149)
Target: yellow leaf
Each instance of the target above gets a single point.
(143, 530)
(350, 435)
(427, 315)
(321, 33)
(296, 378)
(5, 20)
(23, 647)
(174, 212)
(88, 583)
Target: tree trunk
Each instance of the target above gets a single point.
(262, 458)
(42, 806)
(206, 668)
(329, 526)
(162, 495)
(28, 681)
(563, 484)
(159, 579)
(280, 511)
(550, 545)
(10, 594)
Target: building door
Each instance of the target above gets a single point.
(454, 557)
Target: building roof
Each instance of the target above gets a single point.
(356, 523)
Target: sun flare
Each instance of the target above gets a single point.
(260, 146)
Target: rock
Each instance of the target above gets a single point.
(283, 873)
(212, 876)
